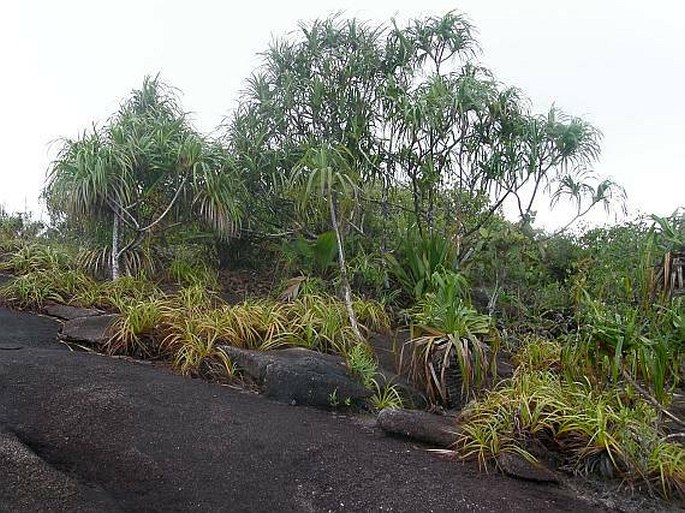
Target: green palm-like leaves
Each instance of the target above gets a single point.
(448, 343)
(146, 169)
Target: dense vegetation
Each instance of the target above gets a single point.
(362, 177)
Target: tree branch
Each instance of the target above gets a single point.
(651, 400)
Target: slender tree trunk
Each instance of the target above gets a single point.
(417, 204)
(347, 292)
(115, 246)
(384, 233)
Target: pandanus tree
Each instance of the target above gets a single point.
(142, 173)
(417, 114)
(324, 174)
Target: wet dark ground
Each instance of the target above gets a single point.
(80, 432)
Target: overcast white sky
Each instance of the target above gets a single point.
(68, 63)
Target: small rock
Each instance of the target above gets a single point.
(436, 430)
(88, 330)
(301, 376)
(516, 466)
(5, 278)
(68, 312)
(505, 367)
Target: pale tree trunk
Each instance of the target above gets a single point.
(384, 234)
(115, 246)
(347, 292)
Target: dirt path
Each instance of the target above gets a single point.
(81, 432)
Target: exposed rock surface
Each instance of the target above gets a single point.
(155, 441)
(88, 330)
(300, 376)
(68, 313)
(4, 278)
(516, 466)
(30, 484)
(421, 426)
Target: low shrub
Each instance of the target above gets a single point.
(36, 258)
(34, 289)
(450, 342)
(612, 432)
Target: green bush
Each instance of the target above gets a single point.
(449, 340)
(419, 260)
(606, 431)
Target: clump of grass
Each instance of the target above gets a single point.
(315, 322)
(538, 354)
(34, 289)
(114, 293)
(386, 395)
(189, 264)
(606, 431)
(133, 332)
(197, 355)
(36, 258)
(666, 468)
(259, 324)
(30, 291)
(43, 273)
(194, 298)
(187, 273)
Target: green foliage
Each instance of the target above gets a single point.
(144, 170)
(112, 294)
(403, 120)
(30, 291)
(613, 267)
(315, 322)
(17, 230)
(362, 364)
(190, 265)
(603, 431)
(38, 257)
(368, 274)
(137, 322)
(316, 255)
(421, 262)
(448, 342)
(538, 354)
(198, 355)
(386, 395)
(646, 344)
(668, 233)
(34, 289)
(42, 273)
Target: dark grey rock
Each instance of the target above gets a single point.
(300, 376)
(68, 312)
(88, 330)
(516, 466)
(5, 278)
(31, 484)
(505, 366)
(437, 430)
(480, 299)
